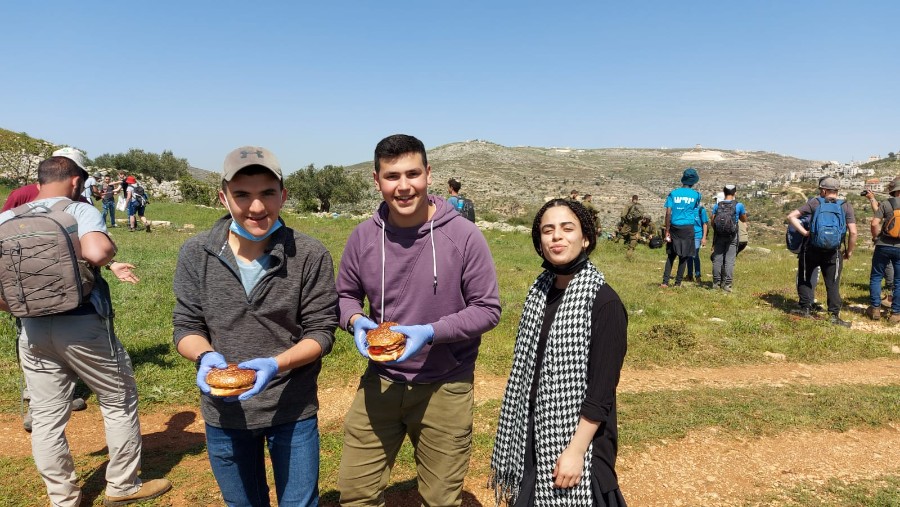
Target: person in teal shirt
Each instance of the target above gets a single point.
(681, 208)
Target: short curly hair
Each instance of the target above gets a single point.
(584, 216)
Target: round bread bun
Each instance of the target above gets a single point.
(384, 344)
(230, 381)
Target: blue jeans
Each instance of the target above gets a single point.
(110, 209)
(238, 462)
(693, 265)
(883, 256)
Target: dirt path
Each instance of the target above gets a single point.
(705, 468)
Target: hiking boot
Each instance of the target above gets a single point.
(689, 278)
(726, 288)
(149, 489)
(698, 279)
(873, 312)
(147, 227)
(894, 318)
(800, 312)
(834, 319)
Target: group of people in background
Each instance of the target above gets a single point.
(254, 292)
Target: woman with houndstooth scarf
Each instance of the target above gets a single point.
(556, 438)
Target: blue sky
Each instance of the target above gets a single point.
(323, 82)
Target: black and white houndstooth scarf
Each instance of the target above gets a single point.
(561, 391)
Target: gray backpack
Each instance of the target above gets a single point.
(41, 270)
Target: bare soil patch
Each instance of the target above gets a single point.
(706, 468)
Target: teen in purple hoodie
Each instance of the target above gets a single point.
(423, 265)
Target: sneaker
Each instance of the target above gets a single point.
(78, 404)
(816, 307)
(726, 288)
(873, 312)
(26, 421)
(801, 312)
(149, 489)
(834, 319)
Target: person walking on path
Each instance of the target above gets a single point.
(681, 208)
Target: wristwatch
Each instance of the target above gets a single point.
(110, 263)
(200, 357)
(350, 327)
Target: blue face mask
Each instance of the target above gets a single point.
(244, 233)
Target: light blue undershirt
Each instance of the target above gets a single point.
(253, 271)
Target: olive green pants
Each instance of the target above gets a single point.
(438, 420)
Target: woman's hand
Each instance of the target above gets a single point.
(568, 469)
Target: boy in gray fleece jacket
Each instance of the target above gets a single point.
(255, 292)
(423, 265)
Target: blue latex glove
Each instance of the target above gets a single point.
(361, 326)
(266, 369)
(208, 362)
(416, 338)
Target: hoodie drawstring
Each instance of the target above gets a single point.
(383, 260)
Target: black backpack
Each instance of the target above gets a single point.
(725, 221)
(139, 195)
(466, 208)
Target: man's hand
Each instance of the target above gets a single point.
(416, 338)
(123, 272)
(208, 362)
(569, 467)
(847, 254)
(361, 326)
(266, 369)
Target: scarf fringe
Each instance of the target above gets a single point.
(504, 492)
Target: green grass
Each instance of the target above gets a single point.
(883, 491)
(689, 326)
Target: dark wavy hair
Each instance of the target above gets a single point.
(58, 169)
(584, 216)
(393, 147)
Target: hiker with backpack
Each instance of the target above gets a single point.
(885, 227)
(137, 199)
(887, 293)
(727, 214)
(67, 331)
(830, 221)
(462, 205)
(681, 207)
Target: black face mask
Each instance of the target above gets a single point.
(567, 269)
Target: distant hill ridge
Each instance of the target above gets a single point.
(511, 180)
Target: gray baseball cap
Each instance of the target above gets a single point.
(244, 156)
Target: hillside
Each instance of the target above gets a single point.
(512, 181)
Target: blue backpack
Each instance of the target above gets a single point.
(793, 238)
(828, 225)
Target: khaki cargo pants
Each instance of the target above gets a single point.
(438, 419)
